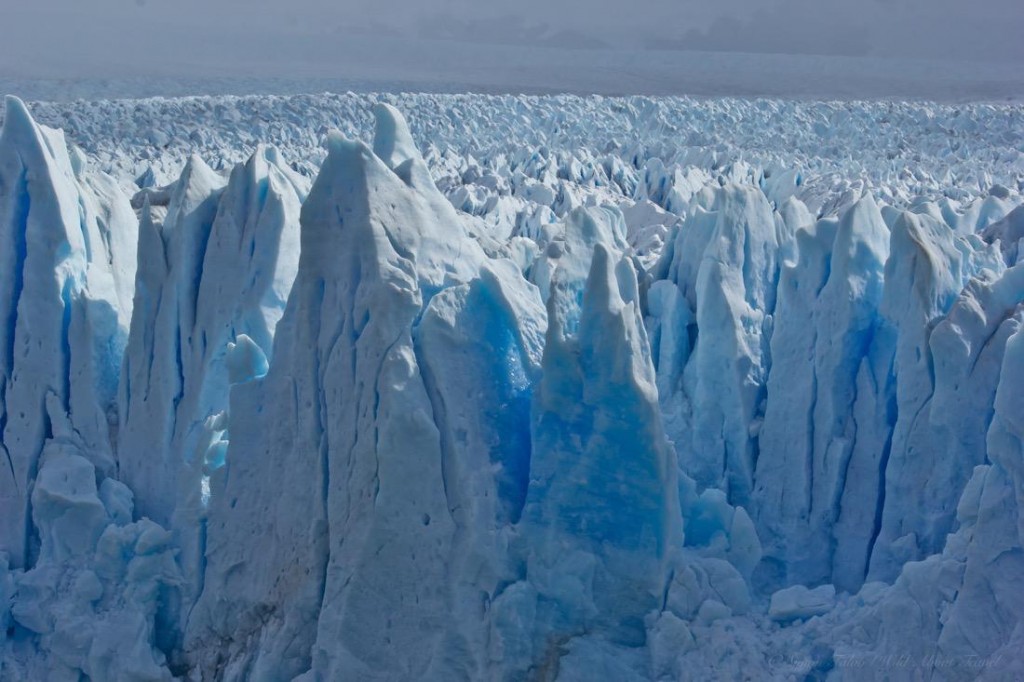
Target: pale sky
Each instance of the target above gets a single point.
(79, 38)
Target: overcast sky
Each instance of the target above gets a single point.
(147, 35)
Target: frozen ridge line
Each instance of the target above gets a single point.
(545, 415)
(905, 150)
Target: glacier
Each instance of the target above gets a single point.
(522, 388)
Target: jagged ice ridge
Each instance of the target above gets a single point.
(513, 410)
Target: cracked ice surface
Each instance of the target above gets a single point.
(535, 388)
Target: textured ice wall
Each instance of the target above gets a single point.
(546, 437)
(66, 283)
(82, 582)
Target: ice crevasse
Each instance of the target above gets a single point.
(257, 428)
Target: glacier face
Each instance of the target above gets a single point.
(514, 411)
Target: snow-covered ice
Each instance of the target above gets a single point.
(511, 388)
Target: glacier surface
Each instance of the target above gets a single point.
(534, 388)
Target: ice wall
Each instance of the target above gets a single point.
(65, 284)
(348, 430)
(216, 263)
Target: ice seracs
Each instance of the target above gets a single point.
(87, 584)
(650, 413)
(64, 283)
(799, 602)
(351, 568)
(171, 255)
(602, 511)
(928, 266)
(215, 270)
(957, 614)
(724, 262)
(826, 402)
(91, 604)
(492, 328)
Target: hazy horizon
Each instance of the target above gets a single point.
(480, 46)
(986, 30)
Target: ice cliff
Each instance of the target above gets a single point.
(571, 419)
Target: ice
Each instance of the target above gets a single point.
(570, 408)
(65, 323)
(798, 602)
(66, 508)
(724, 261)
(929, 265)
(377, 246)
(902, 151)
(245, 360)
(567, 254)
(1009, 231)
(223, 261)
(216, 272)
(814, 427)
(170, 266)
(603, 498)
(492, 329)
(648, 227)
(89, 605)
